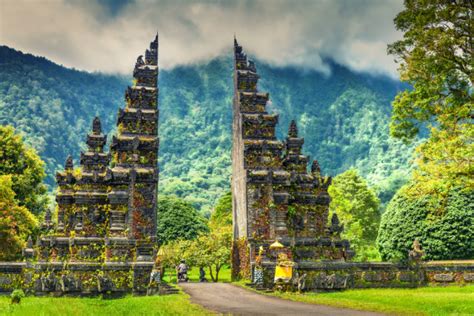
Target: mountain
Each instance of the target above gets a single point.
(343, 118)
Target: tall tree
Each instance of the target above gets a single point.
(436, 55)
(16, 222)
(26, 170)
(357, 206)
(436, 59)
(222, 214)
(178, 219)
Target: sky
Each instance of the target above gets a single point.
(108, 35)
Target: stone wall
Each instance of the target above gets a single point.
(75, 278)
(324, 276)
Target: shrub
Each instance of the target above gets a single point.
(16, 296)
(445, 231)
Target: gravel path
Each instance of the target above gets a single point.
(228, 298)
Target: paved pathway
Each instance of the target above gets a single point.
(228, 298)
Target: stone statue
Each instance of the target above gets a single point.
(416, 254)
(336, 227)
(301, 282)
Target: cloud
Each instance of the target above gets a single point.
(107, 35)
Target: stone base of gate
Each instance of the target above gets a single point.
(334, 275)
(112, 279)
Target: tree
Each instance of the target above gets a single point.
(16, 222)
(26, 170)
(357, 206)
(222, 215)
(449, 235)
(212, 250)
(436, 56)
(174, 252)
(177, 219)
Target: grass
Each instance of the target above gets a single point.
(176, 304)
(193, 275)
(450, 300)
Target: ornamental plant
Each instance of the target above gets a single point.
(16, 296)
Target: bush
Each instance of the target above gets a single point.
(178, 219)
(16, 296)
(445, 231)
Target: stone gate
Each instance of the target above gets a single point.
(276, 200)
(105, 237)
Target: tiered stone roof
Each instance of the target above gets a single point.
(109, 202)
(275, 197)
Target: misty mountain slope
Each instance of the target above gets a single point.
(343, 117)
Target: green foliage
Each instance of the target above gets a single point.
(222, 215)
(54, 106)
(161, 305)
(16, 222)
(357, 207)
(16, 296)
(436, 206)
(344, 118)
(211, 250)
(437, 60)
(177, 219)
(446, 233)
(442, 300)
(26, 171)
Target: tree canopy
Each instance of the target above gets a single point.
(26, 171)
(16, 222)
(436, 59)
(357, 207)
(178, 219)
(222, 215)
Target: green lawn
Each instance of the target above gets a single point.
(193, 274)
(451, 300)
(176, 304)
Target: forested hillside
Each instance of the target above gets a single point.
(344, 118)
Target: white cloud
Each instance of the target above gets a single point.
(85, 35)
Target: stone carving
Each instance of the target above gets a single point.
(5, 281)
(468, 277)
(444, 277)
(68, 283)
(406, 277)
(104, 284)
(416, 254)
(48, 282)
(336, 227)
(373, 276)
(332, 281)
(29, 252)
(301, 282)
